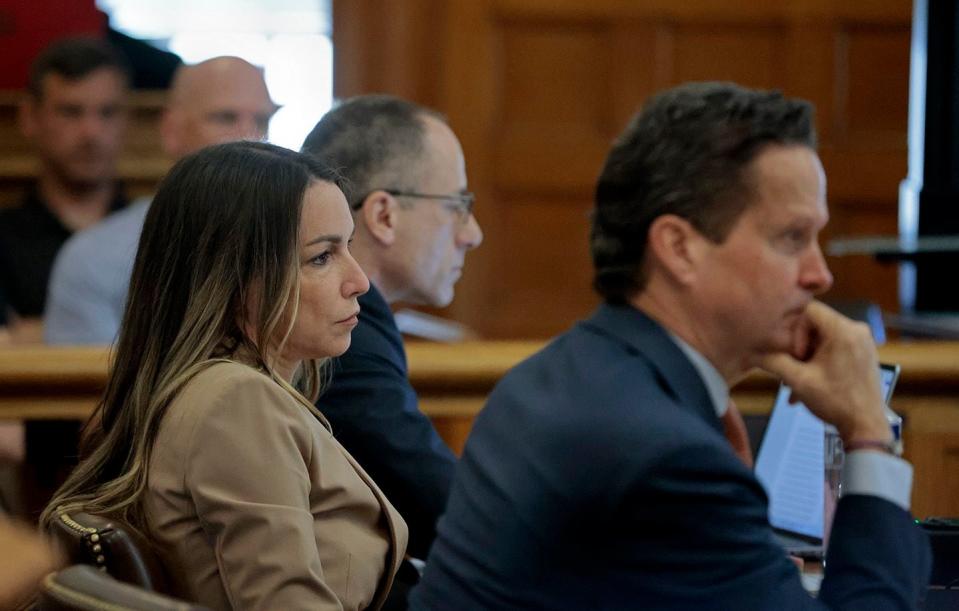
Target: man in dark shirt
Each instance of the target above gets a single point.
(73, 114)
(414, 225)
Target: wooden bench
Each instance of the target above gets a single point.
(38, 383)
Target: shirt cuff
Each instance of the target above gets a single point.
(878, 474)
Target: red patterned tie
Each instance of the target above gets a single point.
(735, 430)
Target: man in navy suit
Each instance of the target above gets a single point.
(598, 475)
(414, 226)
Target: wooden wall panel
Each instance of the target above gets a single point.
(537, 90)
(543, 64)
(391, 47)
(861, 276)
(633, 42)
(561, 248)
(873, 91)
(864, 151)
(931, 434)
(748, 54)
(554, 126)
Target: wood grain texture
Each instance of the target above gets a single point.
(453, 380)
(538, 89)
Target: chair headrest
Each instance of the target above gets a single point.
(112, 546)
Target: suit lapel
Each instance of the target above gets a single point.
(641, 336)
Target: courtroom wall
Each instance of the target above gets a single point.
(537, 90)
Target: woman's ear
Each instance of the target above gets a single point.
(677, 248)
(379, 215)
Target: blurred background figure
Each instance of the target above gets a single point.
(216, 101)
(74, 116)
(26, 559)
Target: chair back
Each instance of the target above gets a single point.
(84, 588)
(112, 547)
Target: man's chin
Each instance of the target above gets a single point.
(86, 176)
(442, 297)
(777, 343)
(429, 300)
(442, 301)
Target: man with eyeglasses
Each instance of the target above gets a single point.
(414, 226)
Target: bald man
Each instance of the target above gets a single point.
(220, 100)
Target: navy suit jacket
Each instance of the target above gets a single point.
(598, 477)
(373, 412)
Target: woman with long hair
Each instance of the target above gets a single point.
(207, 440)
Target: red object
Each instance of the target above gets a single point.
(27, 26)
(735, 430)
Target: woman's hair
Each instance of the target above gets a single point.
(219, 244)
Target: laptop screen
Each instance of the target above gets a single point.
(790, 462)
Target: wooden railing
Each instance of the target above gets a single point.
(453, 381)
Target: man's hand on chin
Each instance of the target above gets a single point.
(833, 368)
(797, 341)
(804, 337)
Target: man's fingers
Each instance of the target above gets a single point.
(782, 365)
(796, 374)
(802, 339)
(817, 321)
(822, 319)
(818, 311)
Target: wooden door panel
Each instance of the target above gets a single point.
(538, 89)
(748, 54)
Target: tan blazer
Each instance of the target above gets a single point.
(256, 506)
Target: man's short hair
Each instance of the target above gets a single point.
(685, 153)
(74, 59)
(374, 141)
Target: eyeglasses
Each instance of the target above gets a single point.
(461, 203)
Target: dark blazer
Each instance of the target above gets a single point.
(598, 477)
(374, 414)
